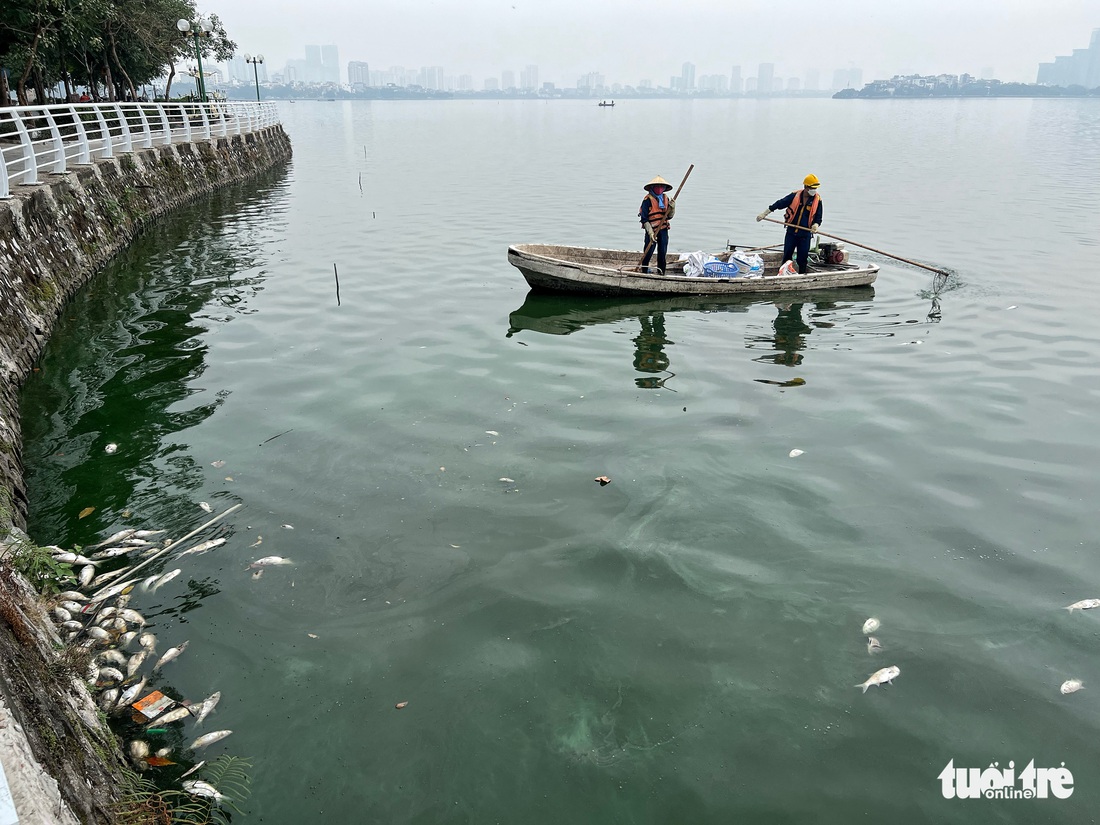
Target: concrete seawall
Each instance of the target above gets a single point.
(62, 764)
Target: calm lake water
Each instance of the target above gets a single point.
(683, 644)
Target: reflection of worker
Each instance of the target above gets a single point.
(649, 353)
(656, 211)
(790, 332)
(804, 211)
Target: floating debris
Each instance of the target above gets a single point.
(193, 769)
(158, 761)
(401, 705)
(111, 449)
(87, 511)
(492, 432)
(259, 540)
(312, 635)
(219, 463)
(1071, 686)
(603, 480)
(881, 677)
(794, 453)
(871, 625)
(507, 480)
(288, 526)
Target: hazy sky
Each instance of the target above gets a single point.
(628, 40)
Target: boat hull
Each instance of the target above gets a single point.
(592, 271)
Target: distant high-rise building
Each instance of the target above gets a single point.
(794, 84)
(358, 73)
(465, 82)
(645, 84)
(507, 79)
(813, 78)
(592, 80)
(765, 79)
(687, 77)
(1081, 68)
(330, 64)
(750, 85)
(237, 70)
(848, 79)
(529, 78)
(312, 71)
(735, 80)
(491, 84)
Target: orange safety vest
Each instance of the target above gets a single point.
(792, 211)
(656, 213)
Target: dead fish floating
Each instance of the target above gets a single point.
(871, 625)
(170, 654)
(269, 561)
(1084, 604)
(881, 677)
(873, 645)
(207, 706)
(1071, 686)
(199, 549)
(209, 739)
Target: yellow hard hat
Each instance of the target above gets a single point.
(657, 180)
(811, 180)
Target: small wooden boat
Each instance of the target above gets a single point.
(605, 103)
(594, 271)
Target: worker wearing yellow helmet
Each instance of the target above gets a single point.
(803, 216)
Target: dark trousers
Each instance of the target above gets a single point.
(662, 250)
(797, 240)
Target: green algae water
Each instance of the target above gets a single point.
(683, 644)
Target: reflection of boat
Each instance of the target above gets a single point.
(559, 315)
(615, 272)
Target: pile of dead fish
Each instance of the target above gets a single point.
(97, 617)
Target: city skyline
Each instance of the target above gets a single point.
(568, 38)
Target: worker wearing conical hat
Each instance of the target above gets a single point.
(656, 211)
(804, 210)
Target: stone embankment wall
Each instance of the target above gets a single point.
(61, 762)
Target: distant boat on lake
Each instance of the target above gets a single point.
(605, 103)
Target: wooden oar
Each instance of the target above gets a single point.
(653, 240)
(864, 246)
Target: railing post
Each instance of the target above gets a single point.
(84, 153)
(147, 141)
(5, 193)
(163, 109)
(124, 125)
(60, 162)
(205, 121)
(30, 165)
(186, 115)
(108, 150)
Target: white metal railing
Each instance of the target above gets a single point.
(39, 140)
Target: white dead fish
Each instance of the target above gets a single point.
(881, 677)
(117, 537)
(135, 662)
(170, 654)
(118, 625)
(145, 534)
(111, 449)
(205, 506)
(72, 596)
(193, 769)
(492, 432)
(174, 715)
(113, 656)
(98, 633)
(163, 580)
(873, 645)
(163, 752)
(145, 585)
(199, 549)
(257, 574)
(131, 693)
(132, 616)
(209, 739)
(112, 552)
(106, 613)
(103, 578)
(127, 637)
(91, 675)
(270, 561)
(108, 698)
(1072, 686)
(72, 625)
(71, 607)
(288, 526)
(507, 480)
(66, 557)
(148, 641)
(196, 787)
(135, 543)
(794, 453)
(139, 749)
(85, 575)
(208, 705)
(62, 615)
(111, 673)
(1084, 604)
(871, 625)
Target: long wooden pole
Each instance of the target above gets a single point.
(649, 245)
(863, 246)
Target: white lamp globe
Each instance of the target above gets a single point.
(183, 25)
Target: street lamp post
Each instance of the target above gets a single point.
(197, 28)
(255, 61)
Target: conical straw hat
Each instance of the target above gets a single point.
(655, 181)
